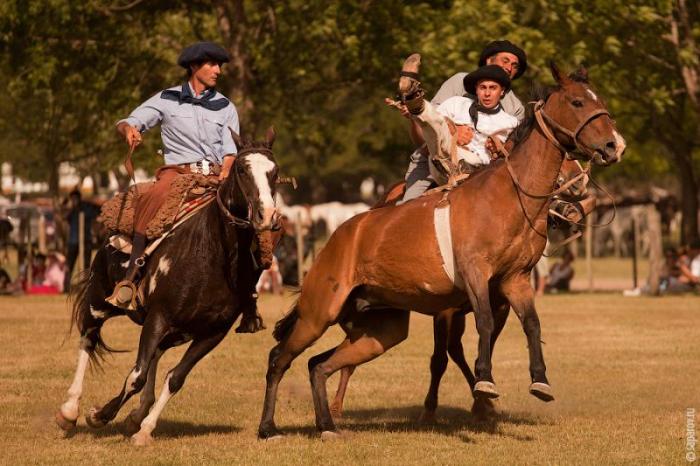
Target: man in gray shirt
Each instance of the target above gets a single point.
(503, 53)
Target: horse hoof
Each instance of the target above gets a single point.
(129, 426)
(269, 433)
(542, 391)
(485, 389)
(67, 425)
(427, 417)
(483, 408)
(92, 420)
(141, 439)
(331, 435)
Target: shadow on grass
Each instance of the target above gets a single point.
(165, 429)
(450, 421)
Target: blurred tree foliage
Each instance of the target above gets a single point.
(319, 71)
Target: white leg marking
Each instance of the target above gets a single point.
(131, 380)
(125, 264)
(260, 167)
(149, 423)
(592, 94)
(69, 409)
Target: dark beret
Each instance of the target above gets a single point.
(201, 52)
(490, 72)
(499, 46)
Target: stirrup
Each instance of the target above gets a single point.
(124, 295)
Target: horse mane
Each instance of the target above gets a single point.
(540, 92)
(522, 131)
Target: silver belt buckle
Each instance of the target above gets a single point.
(206, 167)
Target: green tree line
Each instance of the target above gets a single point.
(319, 70)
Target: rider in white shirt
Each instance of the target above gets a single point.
(483, 116)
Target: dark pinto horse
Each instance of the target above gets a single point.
(191, 292)
(367, 281)
(449, 325)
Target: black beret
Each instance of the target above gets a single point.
(490, 72)
(201, 52)
(499, 46)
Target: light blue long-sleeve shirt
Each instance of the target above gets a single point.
(190, 133)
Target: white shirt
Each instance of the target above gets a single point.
(498, 125)
(695, 266)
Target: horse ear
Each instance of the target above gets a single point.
(270, 136)
(560, 78)
(236, 138)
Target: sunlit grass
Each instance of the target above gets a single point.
(623, 369)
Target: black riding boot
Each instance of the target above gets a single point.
(124, 295)
(248, 275)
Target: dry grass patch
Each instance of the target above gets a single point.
(623, 369)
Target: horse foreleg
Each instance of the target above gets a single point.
(438, 364)
(154, 329)
(370, 337)
(173, 383)
(148, 397)
(520, 295)
(478, 291)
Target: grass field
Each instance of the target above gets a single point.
(624, 371)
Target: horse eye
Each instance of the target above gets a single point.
(577, 103)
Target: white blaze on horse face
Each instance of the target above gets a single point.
(260, 167)
(620, 144)
(70, 409)
(592, 94)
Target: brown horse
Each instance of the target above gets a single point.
(449, 325)
(368, 282)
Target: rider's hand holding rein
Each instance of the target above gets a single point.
(226, 166)
(130, 133)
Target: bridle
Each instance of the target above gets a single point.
(545, 122)
(238, 221)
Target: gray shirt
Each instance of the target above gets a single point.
(190, 133)
(455, 87)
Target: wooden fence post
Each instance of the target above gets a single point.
(655, 249)
(589, 250)
(81, 240)
(300, 248)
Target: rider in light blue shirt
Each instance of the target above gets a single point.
(190, 133)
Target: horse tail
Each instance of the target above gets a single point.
(80, 319)
(284, 326)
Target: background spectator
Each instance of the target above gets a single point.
(561, 274)
(91, 211)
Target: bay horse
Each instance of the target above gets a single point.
(191, 289)
(449, 325)
(368, 282)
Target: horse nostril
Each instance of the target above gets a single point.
(610, 148)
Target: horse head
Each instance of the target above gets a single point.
(578, 120)
(252, 184)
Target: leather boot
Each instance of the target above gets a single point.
(410, 91)
(124, 295)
